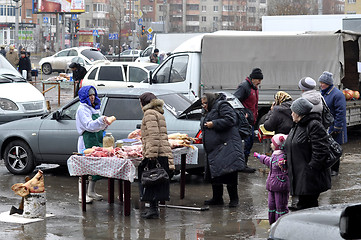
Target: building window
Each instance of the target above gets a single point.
(227, 8)
(204, 19)
(262, 1)
(251, 0)
(252, 9)
(215, 19)
(252, 20)
(204, 8)
(262, 10)
(87, 23)
(29, 13)
(87, 8)
(351, 1)
(351, 12)
(215, 8)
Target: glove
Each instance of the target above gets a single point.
(257, 155)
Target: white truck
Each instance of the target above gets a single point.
(166, 43)
(220, 61)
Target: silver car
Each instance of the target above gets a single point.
(53, 137)
(58, 62)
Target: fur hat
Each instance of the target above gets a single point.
(256, 74)
(307, 84)
(326, 77)
(301, 106)
(278, 140)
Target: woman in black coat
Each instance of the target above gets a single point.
(25, 64)
(307, 150)
(279, 118)
(223, 146)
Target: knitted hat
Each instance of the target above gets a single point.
(91, 91)
(278, 140)
(146, 97)
(326, 77)
(256, 74)
(307, 84)
(301, 106)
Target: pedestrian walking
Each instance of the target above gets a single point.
(336, 102)
(277, 181)
(156, 149)
(307, 151)
(78, 74)
(154, 56)
(90, 126)
(3, 51)
(279, 118)
(223, 146)
(247, 94)
(25, 65)
(12, 57)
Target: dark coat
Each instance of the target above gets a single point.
(24, 64)
(279, 119)
(336, 102)
(222, 143)
(247, 94)
(307, 150)
(78, 75)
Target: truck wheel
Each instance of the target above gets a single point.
(46, 67)
(19, 158)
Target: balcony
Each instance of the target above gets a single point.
(192, 12)
(192, 23)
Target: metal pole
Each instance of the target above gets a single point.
(16, 34)
(62, 31)
(57, 33)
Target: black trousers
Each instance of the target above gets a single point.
(307, 201)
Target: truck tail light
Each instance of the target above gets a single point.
(198, 138)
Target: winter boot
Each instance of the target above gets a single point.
(233, 195)
(87, 198)
(217, 198)
(153, 211)
(247, 169)
(92, 193)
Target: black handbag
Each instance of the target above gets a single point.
(154, 176)
(327, 117)
(335, 151)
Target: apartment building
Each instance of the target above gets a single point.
(352, 7)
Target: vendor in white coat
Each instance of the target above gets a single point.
(90, 126)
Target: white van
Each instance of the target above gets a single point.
(18, 98)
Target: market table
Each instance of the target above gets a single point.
(123, 170)
(110, 167)
(58, 84)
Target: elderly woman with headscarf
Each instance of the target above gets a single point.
(279, 118)
(223, 146)
(156, 149)
(90, 126)
(307, 151)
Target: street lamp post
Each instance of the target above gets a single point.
(16, 34)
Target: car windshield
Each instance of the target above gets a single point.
(93, 54)
(8, 73)
(177, 103)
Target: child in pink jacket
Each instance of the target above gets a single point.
(277, 182)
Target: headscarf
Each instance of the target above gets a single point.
(281, 97)
(211, 98)
(84, 96)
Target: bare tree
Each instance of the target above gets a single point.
(292, 7)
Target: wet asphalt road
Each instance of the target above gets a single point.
(105, 221)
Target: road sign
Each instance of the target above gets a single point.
(140, 14)
(45, 19)
(150, 30)
(140, 21)
(149, 37)
(74, 17)
(115, 36)
(95, 33)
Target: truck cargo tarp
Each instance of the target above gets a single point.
(284, 59)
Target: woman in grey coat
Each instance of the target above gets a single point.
(223, 146)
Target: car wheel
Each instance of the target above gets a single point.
(19, 158)
(46, 67)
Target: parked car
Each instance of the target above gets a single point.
(107, 75)
(58, 62)
(52, 138)
(338, 221)
(125, 56)
(18, 98)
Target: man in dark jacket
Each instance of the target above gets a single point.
(3, 51)
(336, 101)
(154, 58)
(25, 64)
(78, 74)
(247, 93)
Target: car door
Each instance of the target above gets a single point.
(58, 139)
(110, 77)
(60, 59)
(128, 112)
(135, 75)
